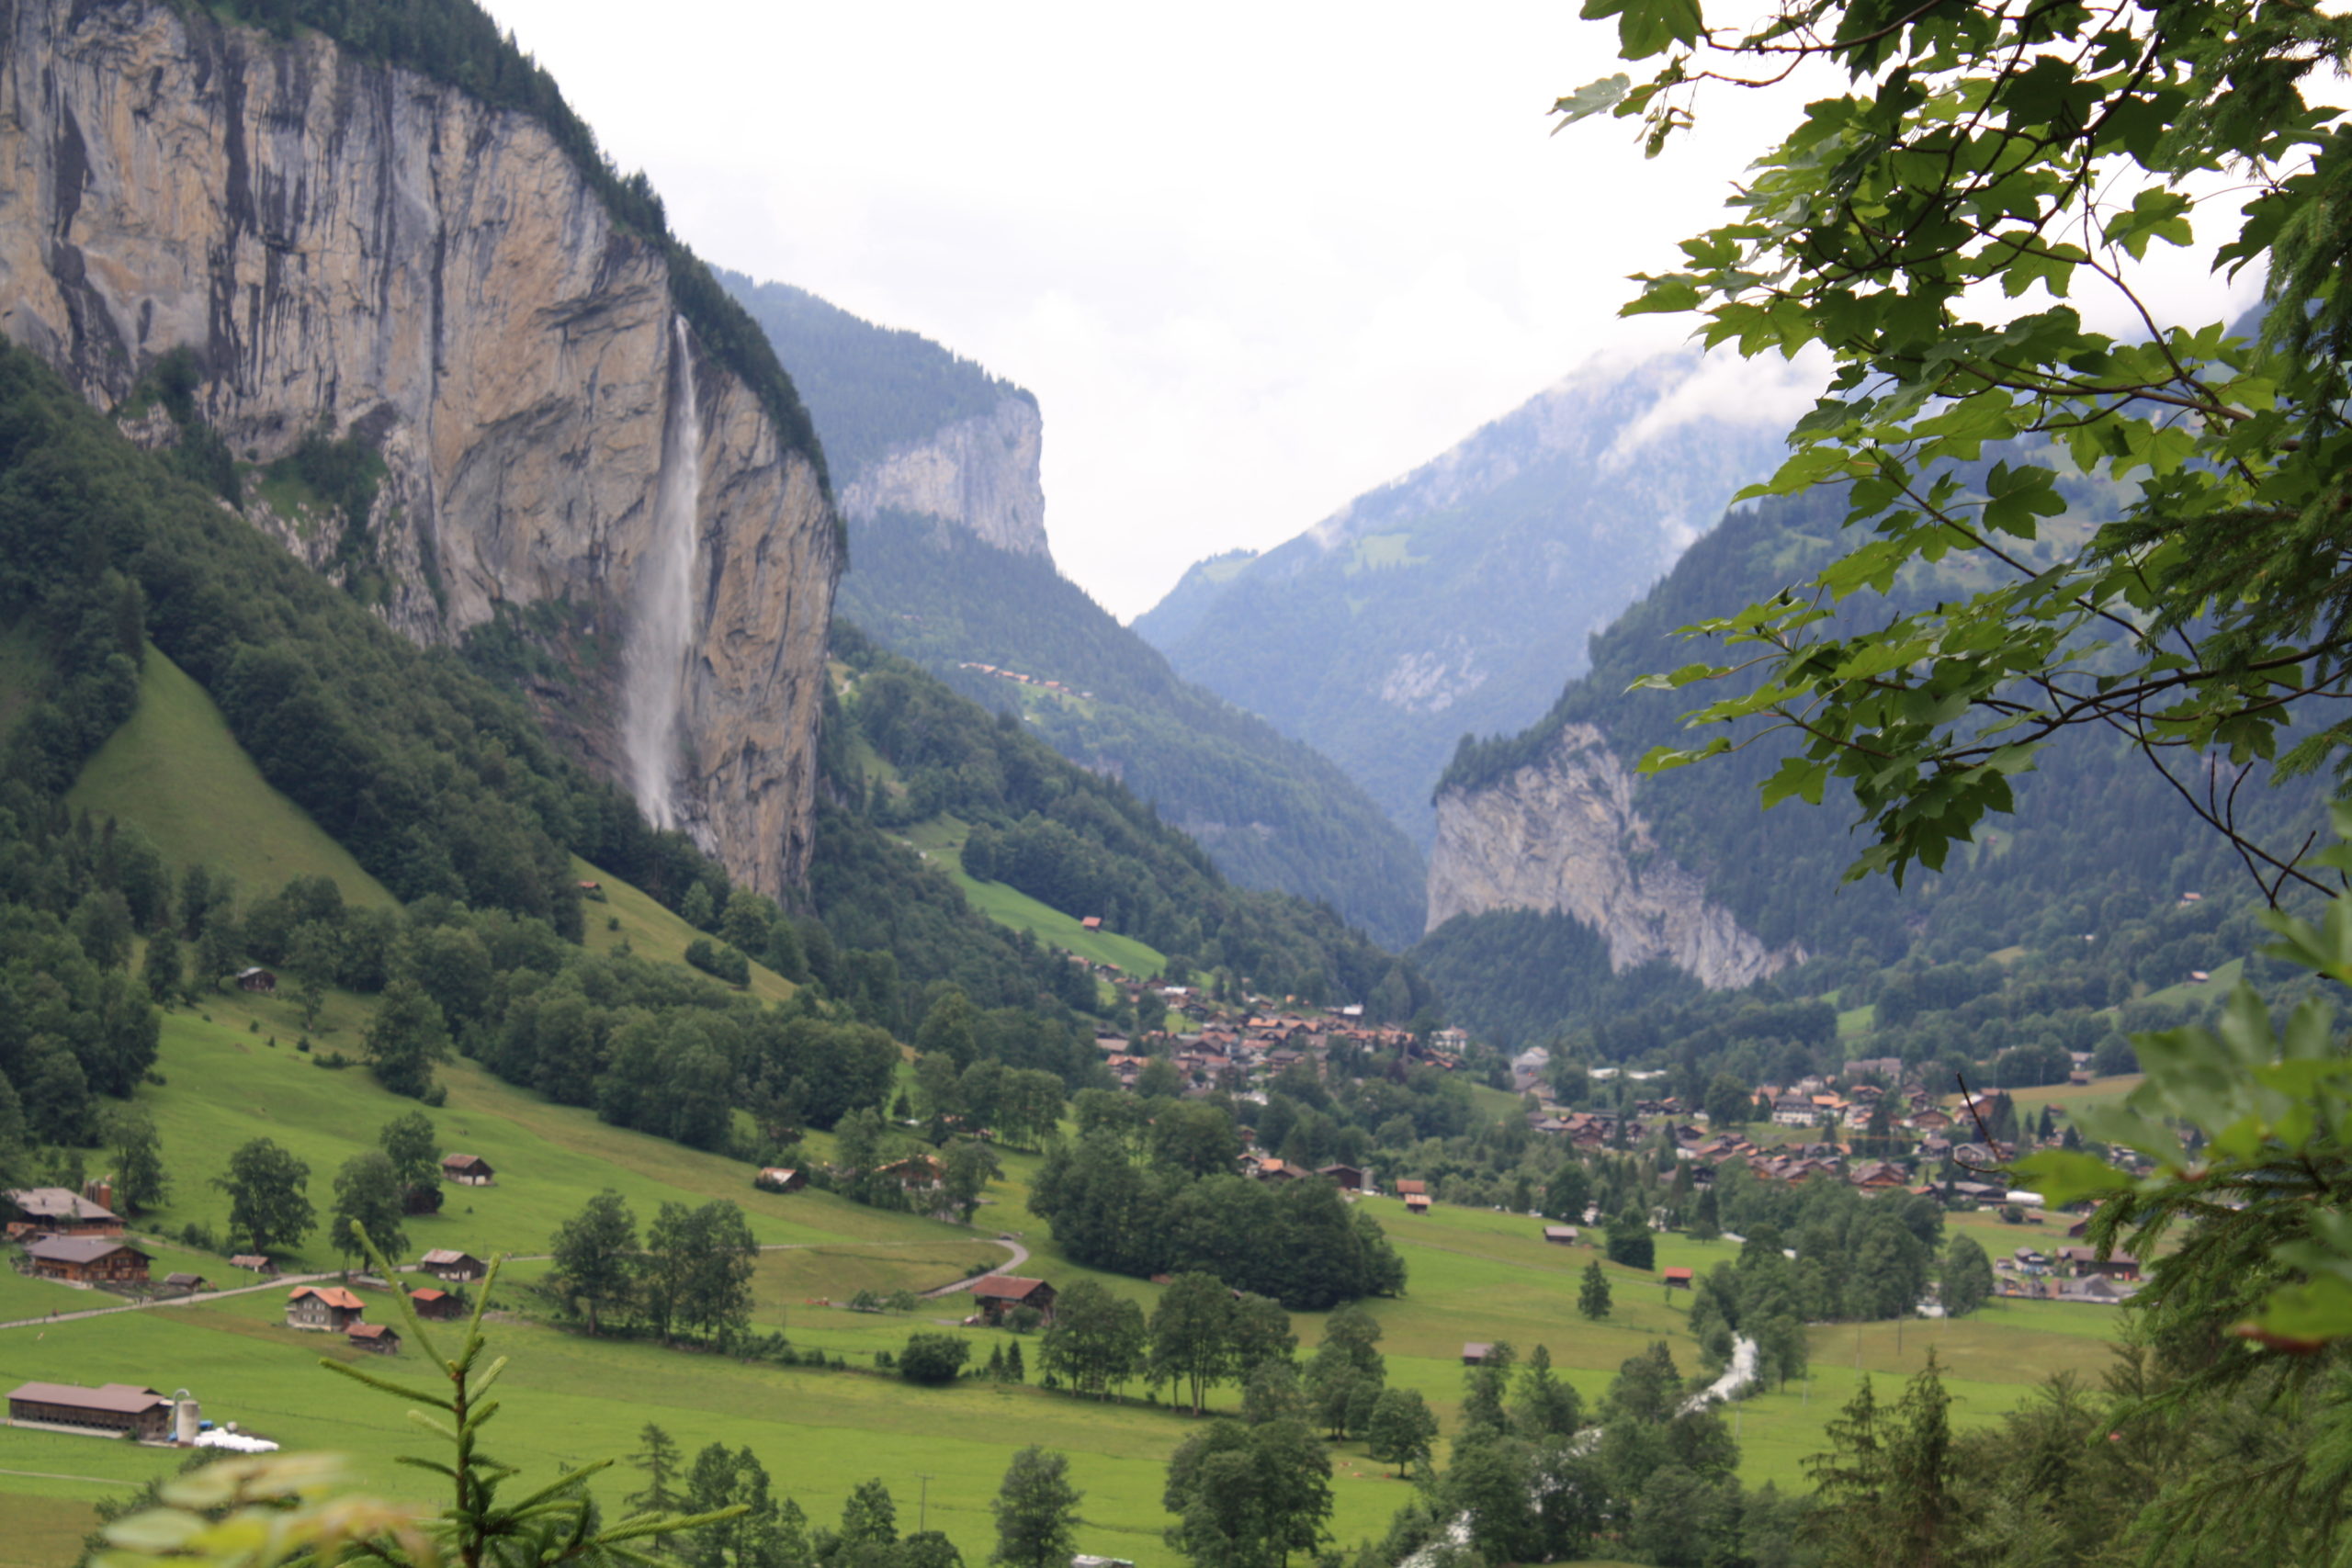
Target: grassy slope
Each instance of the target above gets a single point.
(1476, 1274)
(176, 771)
(941, 840)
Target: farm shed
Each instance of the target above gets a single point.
(116, 1409)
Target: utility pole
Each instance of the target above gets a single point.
(922, 1504)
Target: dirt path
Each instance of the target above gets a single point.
(1020, 1255)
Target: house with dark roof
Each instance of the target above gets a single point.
(87, 1259)
(1000, 1293)
(452, 1267)
(467, 1170)
(430, 1303)
(58, 1211)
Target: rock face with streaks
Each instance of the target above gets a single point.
(981, 472)
(1563, 834)
(356, 250)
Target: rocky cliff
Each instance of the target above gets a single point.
(1563, 834)
(356, 249)
(981, 473)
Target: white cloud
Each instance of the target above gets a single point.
(1254, 260)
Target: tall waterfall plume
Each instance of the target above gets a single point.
(663, 627)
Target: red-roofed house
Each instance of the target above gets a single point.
(1678, 1279)
(376, 1336)
(329, 1308)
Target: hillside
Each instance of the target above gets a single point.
(2089, 875)
(936, 461)
(1454, 600)
(1273, 812)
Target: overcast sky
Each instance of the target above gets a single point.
(1253, 260)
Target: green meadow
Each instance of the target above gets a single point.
(229, 1071)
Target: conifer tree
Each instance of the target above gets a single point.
(1592, 1295)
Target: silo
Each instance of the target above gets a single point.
(187, 1418)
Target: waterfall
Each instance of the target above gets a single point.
(661, 630)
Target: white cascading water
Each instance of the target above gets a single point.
(662, 628)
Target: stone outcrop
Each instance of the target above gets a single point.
(1563, 834)
(981, 473)
(359, 250)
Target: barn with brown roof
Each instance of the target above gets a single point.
(58, 1211)
(376, 1336)
(115, 1410)
(432, 1303)
(1000, 1293)
(452, 1266)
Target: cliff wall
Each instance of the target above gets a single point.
(980, 472)
(356, 248)
(1563, 834)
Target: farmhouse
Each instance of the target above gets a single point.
(87, 1260)
(376, 1336)
(256, 979)
(114, 1410)
(328, 1308)
(58, 1211)
(1677, 1279)
(433, 1304)
(467, 1170)
(780, 1179)
(1000, 1293)
(456, 1267)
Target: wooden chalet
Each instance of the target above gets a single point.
(2087, 1264)
(1411, 1187)
(914, 1171)
(452, 1266)
(58, 1211)
(467, 1170)
(1474, 1353)
(1560, 1236)
(187, 1284)
(434, 1304)
(781, 1178)
(256, 979)
(1417, 1202)
(87, 1259)
(257, 1262)
(329, 1309)
(1677, 1279)
(380, 1337)
(1000, 1293)
(118, 1409)
(1349, 1176)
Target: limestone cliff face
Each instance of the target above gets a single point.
(348, 246)
(980, 472)
(1563, 834)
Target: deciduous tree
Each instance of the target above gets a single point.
(267, 1203)
(1036, 1511)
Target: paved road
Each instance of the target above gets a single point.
(284, 1281)
(277, 1282)
(1020, 1255)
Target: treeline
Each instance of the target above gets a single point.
(1095, 842)
(458, 43)
(1272, 812)
(1159, 1207)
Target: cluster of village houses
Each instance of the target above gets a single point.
(1016, 676)
(1238, 1052)
(76, 1238)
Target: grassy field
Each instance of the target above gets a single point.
(625, 916)
(941, 840)
(174, 769)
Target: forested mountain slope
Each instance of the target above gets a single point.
(1537, 820)
(936, 461)
(1453, 600)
